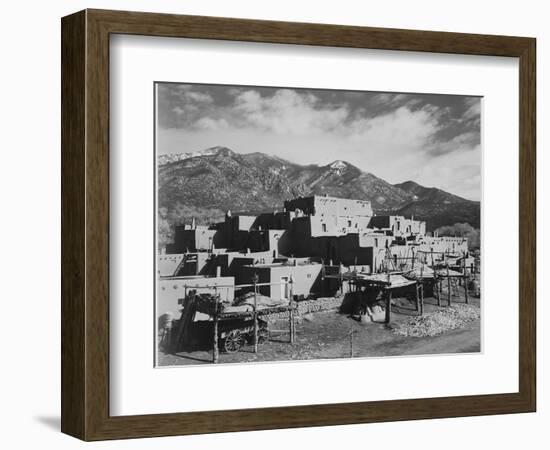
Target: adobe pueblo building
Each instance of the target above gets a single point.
(312, 243)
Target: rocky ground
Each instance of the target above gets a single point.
(329, 334)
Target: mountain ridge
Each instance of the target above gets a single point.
(218, 179)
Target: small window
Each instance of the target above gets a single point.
(349, 223)
(309, 275)
(376, 242)
(324, 227)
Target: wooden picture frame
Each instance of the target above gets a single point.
(85, 224)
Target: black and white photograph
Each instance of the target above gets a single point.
(307, 224)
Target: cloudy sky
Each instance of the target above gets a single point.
(431, 139)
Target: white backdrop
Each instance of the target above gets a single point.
(30, 228)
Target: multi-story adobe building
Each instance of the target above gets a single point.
(317, 229)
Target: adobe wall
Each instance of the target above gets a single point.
(273, 221)
(168, 263)
(307, 278)
(170, 290)
(343, 249)
(309, 306)
(200, 238)
(305, 204)
(444, 244)
(330, 206)
(399, 225)
(195, 264)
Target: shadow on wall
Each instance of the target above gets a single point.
(51, 422)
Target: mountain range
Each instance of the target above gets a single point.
(219, 179)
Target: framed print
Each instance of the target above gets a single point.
(273, 225)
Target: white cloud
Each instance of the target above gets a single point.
(287, 112)
(458, 172)
(178, 110)
(402, 127)
(198, 97)
(391, 136)
(461, 142)
(207, 123)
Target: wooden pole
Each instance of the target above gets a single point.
(438, 290)
(216, 352)
(291, 312)
(341, 272)
(324, 281)
(437, 293)
(421, 288)
(448, 285)
(255, 316)
(351, 339)
(465, 283)
(388, 306)
(417, 300)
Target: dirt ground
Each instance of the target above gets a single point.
(329, 334)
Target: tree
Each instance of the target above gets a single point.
(462, 230)
(179, 214)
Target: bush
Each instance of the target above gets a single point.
(462, 230)
(169, 218)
